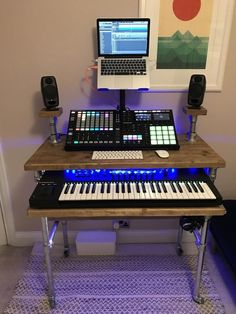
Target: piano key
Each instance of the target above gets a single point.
(128, 187)
(201, 193)
(152, 187)
(185, 190)
(88, 188)
(157, 193)
(88, 191)
(173, 187)
(117, 187)
(94, 187)
(73, 196)
(162, 193)
(126, 194)
(131, 194)
(188, 187)
(134, 194)
(67, 193)
(194, 187)
(62, 195)
(207, 190)
(200, 187)
(188, 191)
(82, 193)
(163, 187)
(178, 195)
(143, 187)
(120, 195)
(194, 190)
(96, 194)
(170, 193)
(158, 187)
(149, 193)
(108, 187)
(178, 186)
(141, 193)
(73, 188)
(105, 194)
(112, 191)
(102, 188)
(67, 188)
(122, 187)
(82, 188)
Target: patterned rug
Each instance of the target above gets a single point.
(142, 284)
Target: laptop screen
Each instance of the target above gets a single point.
(123, 37)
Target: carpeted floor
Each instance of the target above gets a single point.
(115, 284)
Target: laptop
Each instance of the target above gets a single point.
(123, 50)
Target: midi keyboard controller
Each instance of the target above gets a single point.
(113, 130)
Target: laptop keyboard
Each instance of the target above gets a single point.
(123, 67)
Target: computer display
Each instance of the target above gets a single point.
(121, 37)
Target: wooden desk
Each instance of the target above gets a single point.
(195, 154)
(53, 157)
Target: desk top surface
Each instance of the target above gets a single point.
(191, 154)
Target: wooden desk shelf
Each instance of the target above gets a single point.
(198, 154)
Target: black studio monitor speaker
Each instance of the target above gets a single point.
(49, 92)
(197, 88)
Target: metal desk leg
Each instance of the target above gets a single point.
(193, 133)
(201, 251)
(65, 238)
(47, 245)
(179, 240)
(213, 173)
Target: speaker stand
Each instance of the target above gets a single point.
(55, 137)
(193, 114)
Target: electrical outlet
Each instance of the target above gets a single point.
(120, 224)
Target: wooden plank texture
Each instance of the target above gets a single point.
(196, 154)
(126, 212)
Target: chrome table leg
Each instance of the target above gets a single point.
(47, 244)
(201, 251)
(65, 238)
(179, 240)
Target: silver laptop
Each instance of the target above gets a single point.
(123, 49)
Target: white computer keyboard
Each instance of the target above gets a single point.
(118, 154)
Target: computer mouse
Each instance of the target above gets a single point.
(162, 153)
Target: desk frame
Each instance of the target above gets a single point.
(51, 157)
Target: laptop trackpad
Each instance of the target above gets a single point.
(123, 82)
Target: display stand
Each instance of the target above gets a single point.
(193, 115)
(52, 115)
(122, 107)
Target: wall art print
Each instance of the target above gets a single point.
(187, 37)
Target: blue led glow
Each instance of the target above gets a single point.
(127, 174)
(192, 170)
(207, 171)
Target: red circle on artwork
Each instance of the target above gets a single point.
(186, 9)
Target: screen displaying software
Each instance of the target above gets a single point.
(123, 37)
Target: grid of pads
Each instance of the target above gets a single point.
(162, 135)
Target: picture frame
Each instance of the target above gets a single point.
(170, 79)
